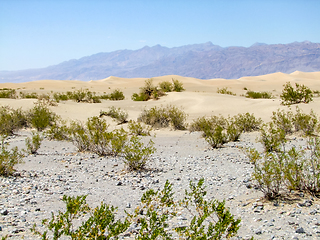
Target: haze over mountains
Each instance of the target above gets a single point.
(203, 61)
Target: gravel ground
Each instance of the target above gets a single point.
(58, 169)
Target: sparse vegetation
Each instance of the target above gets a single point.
(41, 117)
(117, 114)
(8, 158)
(301, 94)
(11, 120)
(164, 117)
(136, 128)
(256, 95)
(225, 91)
(33, 144)
(151, 217)
(8, 93)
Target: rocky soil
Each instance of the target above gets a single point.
(58, 169)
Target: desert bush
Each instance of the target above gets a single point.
(79, 136)
(277, 173)
(117, 114)
(118, 141)
(136, 154)
(11, 120)
(211, 219)
(41, 117)
(283, 120)
(61, 97)
(33, 144)
(100, 222)
(166, 86)
(225, 91)
(116, 95)
(307, 123)
(148, 91)
(164, 117)
(33, 95)
(8, 93)
(8, 158)
(233, 129)
(255, 95)
(272, 138)
(301, 94)
(247, 122)
(136, 128)
(177, 85)
(58, 130)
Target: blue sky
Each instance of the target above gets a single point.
(39, 33)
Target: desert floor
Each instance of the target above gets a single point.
(181, 156)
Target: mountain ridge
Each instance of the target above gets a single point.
(203, 61)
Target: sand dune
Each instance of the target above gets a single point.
(199, 99)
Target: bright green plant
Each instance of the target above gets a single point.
(301, 94)
(116, 95)
(155, 209)
(8, 158)
(148, 91)
(136, 154)
(33, 144)
(210, 218)
(41, 117)
(100, 222)
(117, 114)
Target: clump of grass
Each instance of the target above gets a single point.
(33, 144)
(225, 91)
(256, 95)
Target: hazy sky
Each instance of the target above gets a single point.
(39, 33)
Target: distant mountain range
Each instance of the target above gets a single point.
(204, 61)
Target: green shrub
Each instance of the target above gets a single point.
(225, 91)
(118, 141)
(247, 122)
(33, 95)
(283, 120)
(116, 95)
(100, 222)
(210, 218)
(117, 114)
(33, 144)
(11, 120)
(148, 91)
(136, 154)
(177, 85)
(164, 117)
(136, 128)
(301, 94)
(79, 136)
(8, 158)
(8, 93)
(58, 131)
(41, 117)
(255, 95)
(166, 86)
(308, 124)
(277, 173)
(272, 138)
